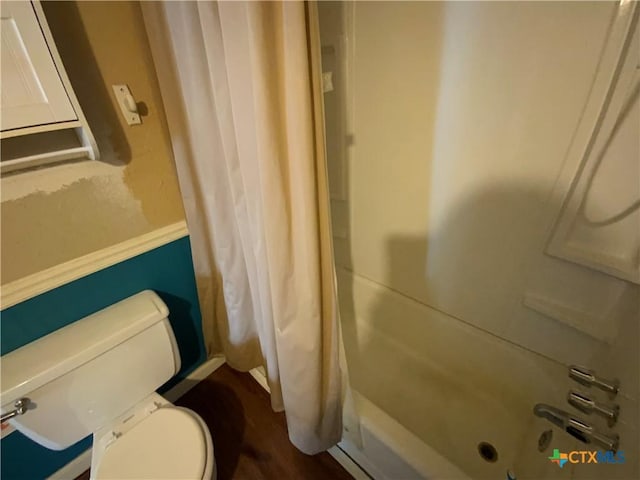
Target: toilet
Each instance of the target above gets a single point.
(98, 376)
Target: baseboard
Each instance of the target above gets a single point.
(40, 282)
(82, 462)
(260, 377)
(199, 374)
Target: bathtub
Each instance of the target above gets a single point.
(426, 390)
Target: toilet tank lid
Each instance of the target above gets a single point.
(47, 358)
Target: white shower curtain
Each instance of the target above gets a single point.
(239, 82)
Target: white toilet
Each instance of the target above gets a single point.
(98, 376)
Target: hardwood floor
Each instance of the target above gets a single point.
(250, 440)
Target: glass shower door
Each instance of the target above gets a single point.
(469, 280)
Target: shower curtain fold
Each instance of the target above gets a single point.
(239, 83)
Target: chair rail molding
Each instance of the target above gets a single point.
(32, 285)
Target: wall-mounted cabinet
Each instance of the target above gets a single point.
(37, 99)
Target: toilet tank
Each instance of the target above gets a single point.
(82, 376)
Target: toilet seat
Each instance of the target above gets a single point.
(163, 441)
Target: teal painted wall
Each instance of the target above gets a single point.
(167, 270)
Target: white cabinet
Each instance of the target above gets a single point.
(32, 90)
(36, 95)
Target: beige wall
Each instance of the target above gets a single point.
(53, 215)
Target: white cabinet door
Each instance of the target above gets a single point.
(32, 91)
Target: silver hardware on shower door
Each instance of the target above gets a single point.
(588, 405)
(588, 378)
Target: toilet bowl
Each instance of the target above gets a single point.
(98, 377)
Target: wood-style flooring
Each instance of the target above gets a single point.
(249, 439)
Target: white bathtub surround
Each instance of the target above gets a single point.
(454, 141)
(241, 87)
